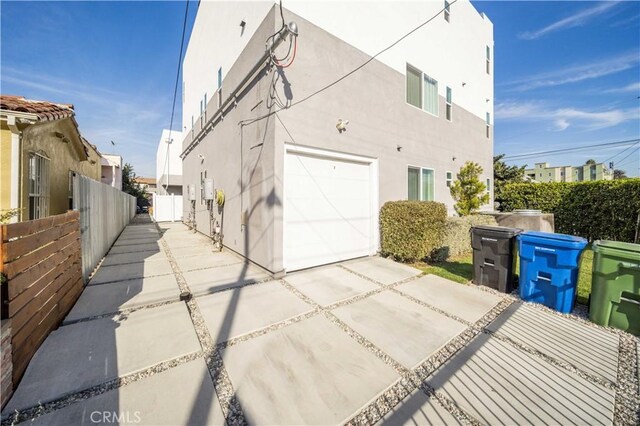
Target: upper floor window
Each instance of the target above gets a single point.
(449, 111)
(219, 77)
(447, 11)
(449, 179)
(422, 90)
(488, 125)
(488, 60)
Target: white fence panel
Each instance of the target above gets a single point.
(167, 208)
(104, 212)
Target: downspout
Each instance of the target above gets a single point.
(16, 157)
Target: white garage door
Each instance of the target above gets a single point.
(330, 209)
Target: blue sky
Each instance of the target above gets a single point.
(566, 73)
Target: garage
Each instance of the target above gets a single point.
(330, 207)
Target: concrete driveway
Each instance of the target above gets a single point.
(364, 341)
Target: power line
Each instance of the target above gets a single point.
(579, 148)
(175, 89)
(627, 156)
(353, 71)
(621, 152)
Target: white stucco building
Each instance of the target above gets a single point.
(112, 170)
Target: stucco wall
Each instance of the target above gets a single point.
(168, 161)
(64, 157)
(240, 160)
(5, 167)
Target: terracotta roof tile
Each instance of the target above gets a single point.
(145, 181)
(43, 109)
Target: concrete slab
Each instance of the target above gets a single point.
(418, 409)
(464, 301)
(152, 268)
(135, 241)
(499, 384)
(150, 401)
(186, 240)
(405, 330)
(310, 372)
(194, 250)
(382, 270)
(207, 260)
(239, 311)
(592, 350)
(108, 298)
(205, 281)
(141, 256)
(78, 356)
(329, 284)
(135, 248)
(131, 236)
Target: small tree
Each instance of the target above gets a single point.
(619, 174)
(468, 191)
(590, 161)
(503, 175)
(130, 186)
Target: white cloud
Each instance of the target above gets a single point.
(577, 73)
(629, 88)
(579, 19)
(561, 118)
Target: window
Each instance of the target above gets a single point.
(488, 60)
(219, 77)
(489, 185)
(488, 126)
(449, 179)
(430, 95)
(447, 11)
(421, 184)
(414, 87)
(422, 90)
(449, 109)
(38, 186)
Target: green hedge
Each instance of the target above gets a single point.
(456, 240)
(411, 230)
(595, 210)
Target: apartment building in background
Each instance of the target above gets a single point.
(542, 172)
(169, 163)
(306, 165)
(112, 170)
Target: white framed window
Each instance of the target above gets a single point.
(420, 183)
(488, 60)
(38, 186)
(449, 179)
(449, 112)
(421, 90)
(488, 125)
(414, 86)
(489, 185)
(447, 11)
(219, 77)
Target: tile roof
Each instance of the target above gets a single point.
(145, 181)
(43, 109)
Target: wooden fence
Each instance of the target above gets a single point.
(41, 260)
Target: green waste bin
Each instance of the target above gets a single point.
(615, 286)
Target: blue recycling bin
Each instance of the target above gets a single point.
(549, 265)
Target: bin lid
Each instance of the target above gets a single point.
(617, 245)
(552, 238)
(495, 231)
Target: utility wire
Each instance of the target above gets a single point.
(578, 148)
(628, 155)
(622, 152)
(175, 89)
(353, 71)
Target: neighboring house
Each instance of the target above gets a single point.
(112, 170)
(41, 147)
(301, 190)
(169, 163)
(542, 172)
(149, 184)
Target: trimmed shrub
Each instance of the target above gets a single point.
(456, 240)
(605, 210)
(411, 230)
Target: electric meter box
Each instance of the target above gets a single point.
(192, 192)
(208, 189)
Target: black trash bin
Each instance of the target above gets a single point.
(494, 256)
